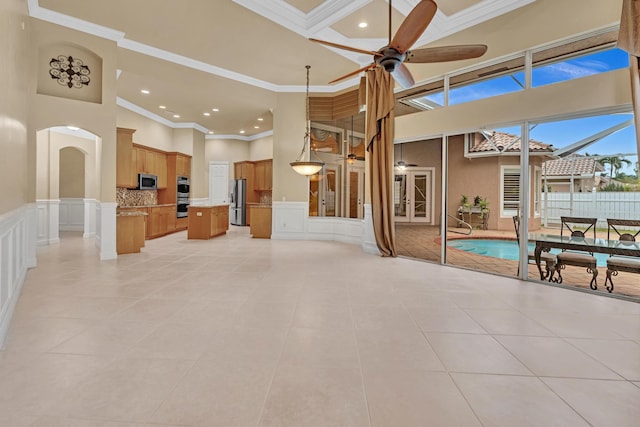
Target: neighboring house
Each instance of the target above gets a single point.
(603, 181)
(560, 174)
(489, 166)
(482, 163)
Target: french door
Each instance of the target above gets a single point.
(324, 193)
(413, 195)
(354, 203)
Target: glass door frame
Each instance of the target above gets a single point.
(410, 174)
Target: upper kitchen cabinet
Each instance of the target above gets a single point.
(125, 173)
(263, 175)
(146, 160)
(244, 170)
(160, 160)
(183, 165)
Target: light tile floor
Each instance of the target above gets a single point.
(237, 331)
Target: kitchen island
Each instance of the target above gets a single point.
(205, 222)
(260, 221)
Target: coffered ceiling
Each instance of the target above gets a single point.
(194, 56)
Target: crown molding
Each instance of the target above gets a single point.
(241, 137)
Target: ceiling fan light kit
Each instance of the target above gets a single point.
(393, 56)
(301, 166)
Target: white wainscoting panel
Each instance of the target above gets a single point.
(89, 218)
(71, 214)
(345, 230)
(369, 244)
(106, 234)
(17, 253)
(199, 202)
(288, 220)
(48, 221)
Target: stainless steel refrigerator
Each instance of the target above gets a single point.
(239, 202)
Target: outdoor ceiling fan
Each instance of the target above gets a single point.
(401, 164)
(393, 56)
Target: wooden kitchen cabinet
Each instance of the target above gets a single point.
(152, 162)
(246, 170)
(263, 175)
(183, 165)
(125, 175)
(206, 222)
(160, 169)
(161, 221)
(130, 232)
(260, 221)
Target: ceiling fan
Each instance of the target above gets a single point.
(351, 157)
(401, 164)
(393, 56)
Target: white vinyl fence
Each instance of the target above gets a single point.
(601, 205)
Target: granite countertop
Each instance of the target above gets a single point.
(146, 206)
(205, 206)
(132, 214)
(259, 205)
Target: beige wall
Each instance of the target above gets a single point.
(288, 136)
(51, 168)
(15, 85)
(148, 132)
(199, 168)
(226, 150)
(261, 149)
(71, 173)
(99, 119)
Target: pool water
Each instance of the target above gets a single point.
(504, 249)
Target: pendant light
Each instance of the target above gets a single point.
(301, 166)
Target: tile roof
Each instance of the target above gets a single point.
(579, 165)
(505, 142)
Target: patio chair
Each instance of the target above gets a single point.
(617, 263)
(548, 258)
(578, 258)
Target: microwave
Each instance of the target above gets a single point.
(147, 181)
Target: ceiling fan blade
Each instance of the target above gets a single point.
(445, 53)
(403, 76)
(349, 48)
(368, 67)
(414, 25)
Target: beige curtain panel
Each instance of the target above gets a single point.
(379, 135)
(629, 41)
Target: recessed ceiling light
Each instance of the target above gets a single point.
(162, 107)
(260, 119)
(215, 109)
(210, 132)
(145, 91)
(73, 128)
(206, 114)
(363, 25)
(176, 116)
(241, 131)
(256, 127)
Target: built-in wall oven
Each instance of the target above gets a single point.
(183, 196)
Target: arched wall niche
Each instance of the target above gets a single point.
(67, 70)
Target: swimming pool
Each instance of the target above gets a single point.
(504, 249)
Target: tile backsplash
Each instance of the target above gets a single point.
(265, 197)
(126, 197)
